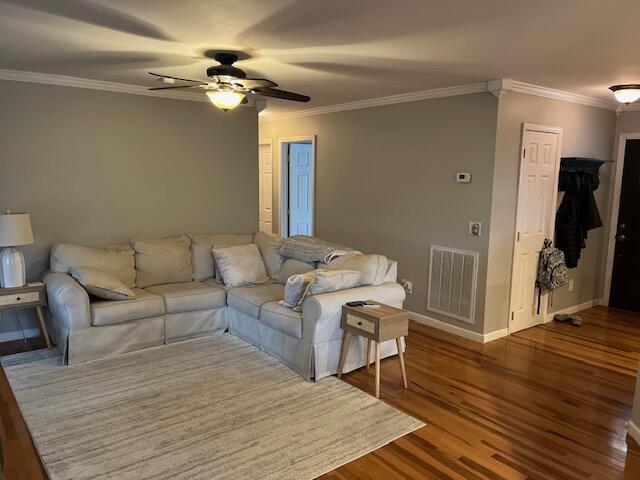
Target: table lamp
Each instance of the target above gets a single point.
(15, 230)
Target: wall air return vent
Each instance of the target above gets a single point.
(452, 282)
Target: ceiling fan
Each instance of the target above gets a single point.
(228, 86)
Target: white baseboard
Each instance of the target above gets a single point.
(17, 334)
(573, 309)
(461, 332)
(634, 431)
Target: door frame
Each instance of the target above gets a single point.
(283, 182)
(269, 142)
(618, 170)
(554, 202)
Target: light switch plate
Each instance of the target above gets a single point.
(475, 229)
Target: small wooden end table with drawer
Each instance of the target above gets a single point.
(377, 325)
(32, 295)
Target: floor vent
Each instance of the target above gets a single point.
(452, 282)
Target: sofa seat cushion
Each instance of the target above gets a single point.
(189, 296)
(282, 318)
(110, 312)
(249, 299)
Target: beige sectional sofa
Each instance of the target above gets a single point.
(178, 296)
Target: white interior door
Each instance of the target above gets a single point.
(535, 220)
(300, 189)
(265, 174)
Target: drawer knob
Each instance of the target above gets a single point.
(359, 323)
(18, 298)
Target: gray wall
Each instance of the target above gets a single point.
(587, 132)
(385, 181)
(100, 167)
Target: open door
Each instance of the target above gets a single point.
(300, 189)
(535, 220)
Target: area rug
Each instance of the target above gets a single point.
(208, 408)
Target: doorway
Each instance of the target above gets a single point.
(624, 292)
(297, 181)
(265, 185)
(535, 221)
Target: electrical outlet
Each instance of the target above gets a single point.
(571, 284)
(407, 285)
(475, 228)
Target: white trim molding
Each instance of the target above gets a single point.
(573, 309)
(537, 90)
(376, 102)
(75, 82)
(455, 330)
(18, 334)
(633, 430)
(498, 88)
(64, 81)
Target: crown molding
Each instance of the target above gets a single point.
(633, 107)
(540, 91)
(62, 80)
(377, 102)
(498, 88)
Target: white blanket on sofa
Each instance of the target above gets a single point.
(312, 249)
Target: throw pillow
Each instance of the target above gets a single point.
(240, 265)
(295, 287)
(102, 284)
(317, 282)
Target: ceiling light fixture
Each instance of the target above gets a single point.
(626, 93)
(225, 98)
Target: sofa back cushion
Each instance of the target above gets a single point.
(268, 244)
(373, 268)
(116, 260)
(240, 265)
(201, 246)
(162, 260)
(291, 266)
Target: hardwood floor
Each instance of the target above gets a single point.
(550, 402)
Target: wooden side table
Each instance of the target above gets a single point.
(377, 325)
(31, 295)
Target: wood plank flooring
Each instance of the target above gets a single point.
(550, 402)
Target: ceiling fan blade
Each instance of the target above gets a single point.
(275, 93)
(176, 86)
(175, 78)
(251, 83)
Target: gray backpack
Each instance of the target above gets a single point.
(552, 269)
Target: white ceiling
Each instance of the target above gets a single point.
(336, 51)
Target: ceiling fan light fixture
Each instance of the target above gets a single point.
(225, 99)
(626, 93)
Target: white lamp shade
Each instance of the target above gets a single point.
(15, 230)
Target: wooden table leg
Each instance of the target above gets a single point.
(346, 341)
(368, 357)
(401, 358)
(377, 369)
(43, 328)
